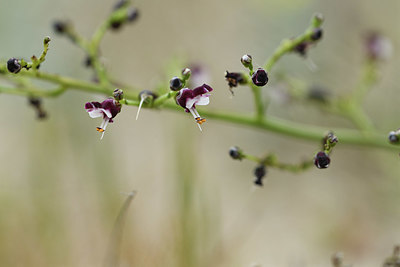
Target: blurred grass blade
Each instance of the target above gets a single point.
(112, 254)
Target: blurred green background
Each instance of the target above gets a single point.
(60, 186)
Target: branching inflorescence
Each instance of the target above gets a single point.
(175, 95)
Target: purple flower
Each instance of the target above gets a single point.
(107, 109)
(188, 99)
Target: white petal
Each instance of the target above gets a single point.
(107, 112)
(202, 100)
(190, 102)
(95, 113)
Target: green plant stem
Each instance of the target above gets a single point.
(258, 102)
(280, 126)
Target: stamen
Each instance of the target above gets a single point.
(142, 99)
(103, 127)
(197, 117)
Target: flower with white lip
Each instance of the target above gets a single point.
(188, 99)
(107, 109)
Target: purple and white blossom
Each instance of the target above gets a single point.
(107, 109)
(188, 99)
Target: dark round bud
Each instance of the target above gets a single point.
(317, 34)
(235, 153)
(34, 101)
(119, 4)
(60, 27)
(41, 114)
(393, 137)
(337, 259)
(234, 78)
(260, 77)
(13, 65)
(319, 94)
(88, 62)
(301, 48)
(259, 173)
(175, 84)
(246, 60)
(133, 14)
(118, 94)
(46, 40)
(115, 25)
(322, 160)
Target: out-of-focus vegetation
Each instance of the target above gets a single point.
(60, 186)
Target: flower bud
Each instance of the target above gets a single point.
(317, 19)
(35, 102)
(337, 259)
(318, 94)
(260, 77)
(322, 160)
(41, 114)
(259, 173)
(133, 14)
(235, 153)
(115, 25)
(13, 65)
(60, 27)
(120, 3)
(118, 94)
(301, 48)
(247, 61)
(147, 94)
(186, 72)
(378, 47)
(394, 137)
(317, 34)
(175, 84)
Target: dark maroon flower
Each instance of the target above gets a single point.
(107, 109)
(188, 99)
(234, 78)
(13, 65)
(260, 77)
(322, 160)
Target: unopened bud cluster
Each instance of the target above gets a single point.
(322, 159)
(122, 14)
